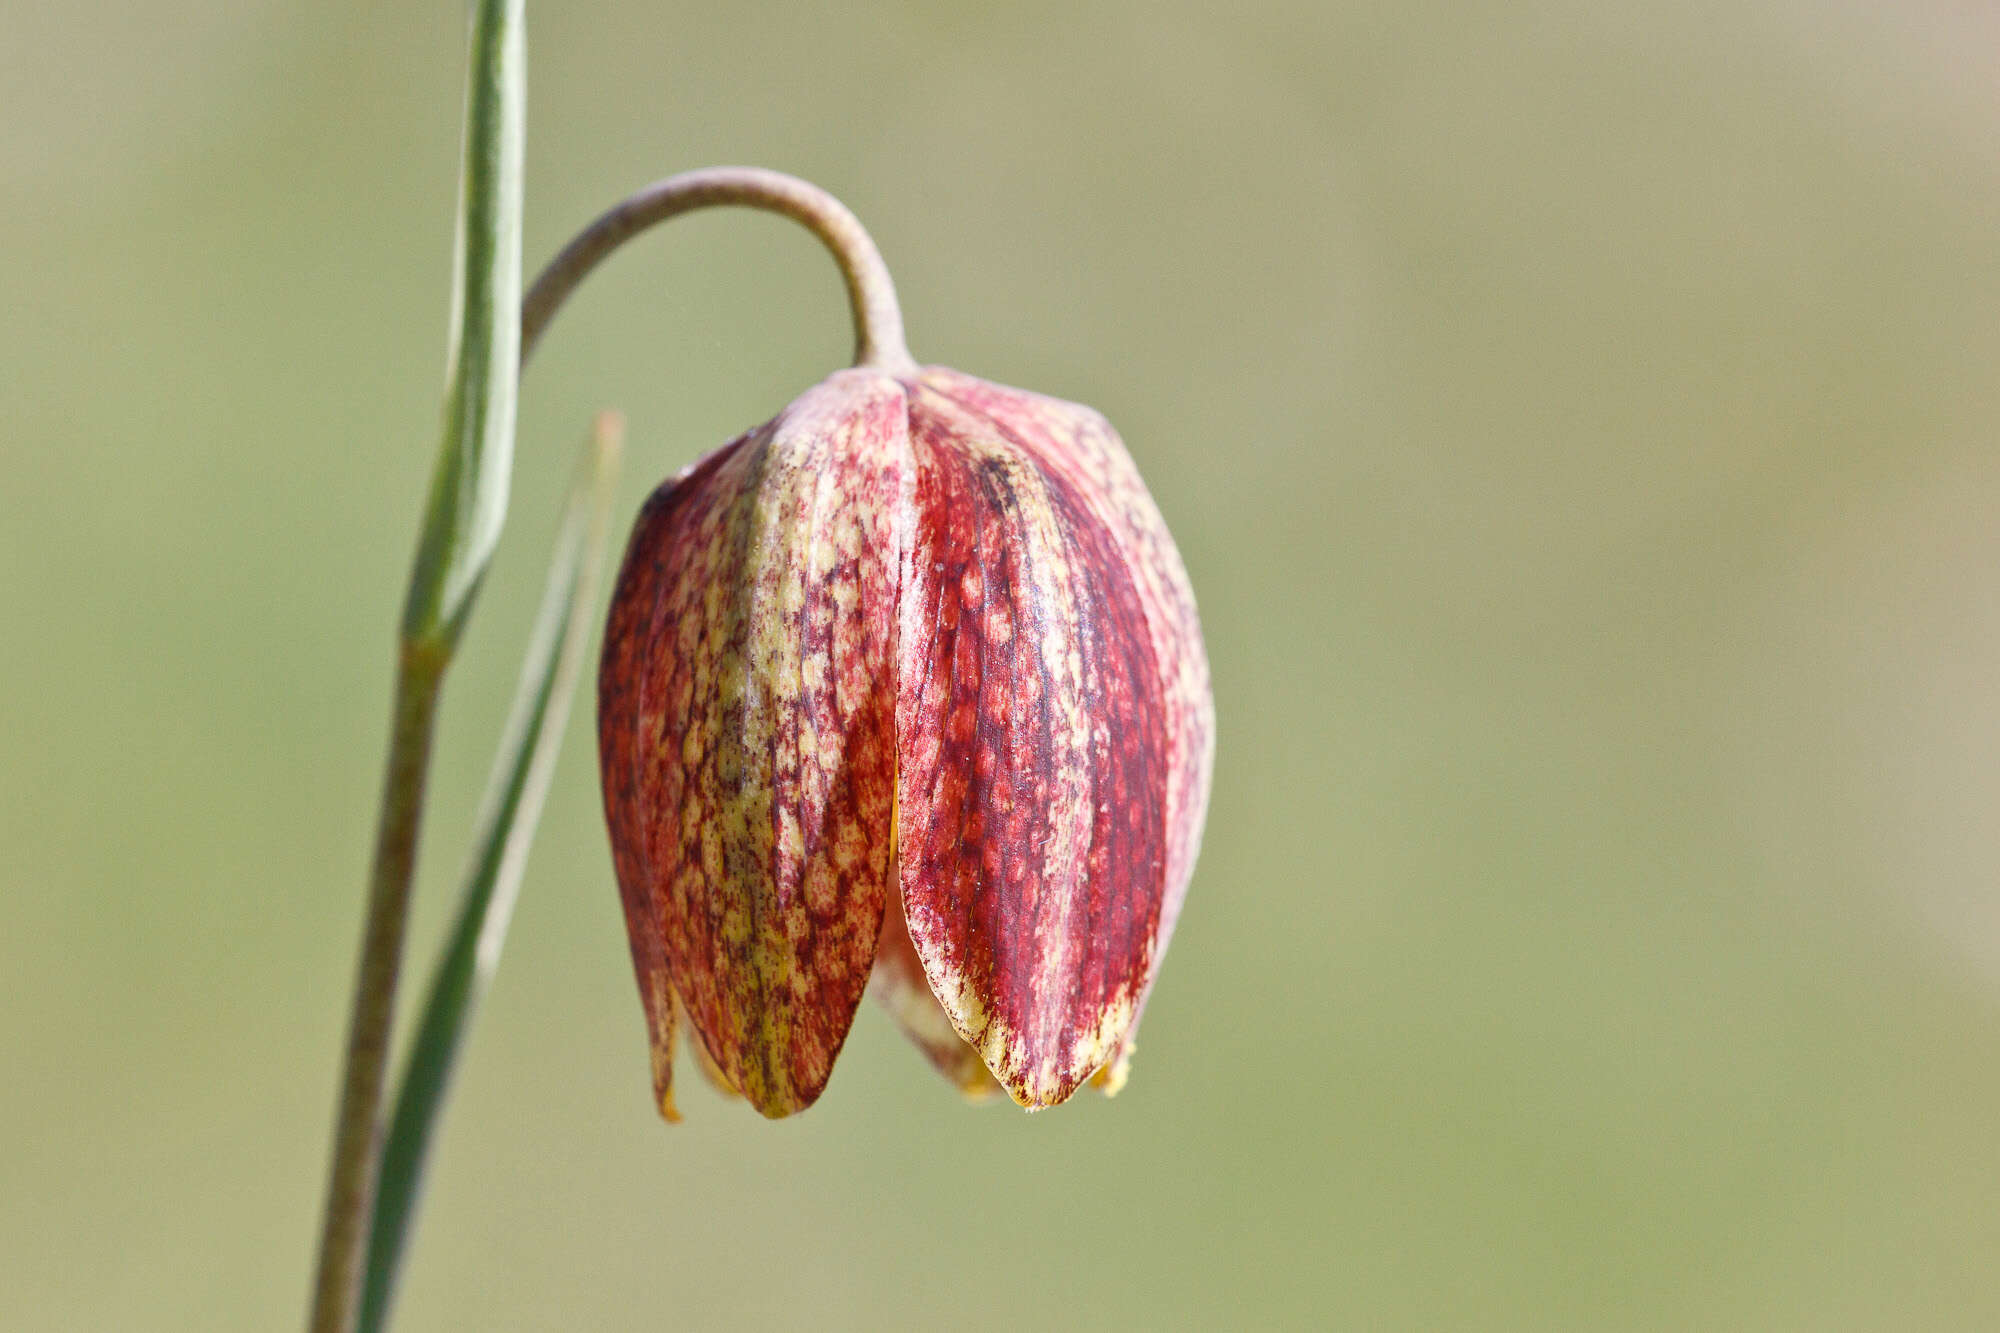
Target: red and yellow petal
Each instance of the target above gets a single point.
(747, 734)
(628, 632)
(1077, 444)
(1034, 751)
(901, 988)
(710, 1071)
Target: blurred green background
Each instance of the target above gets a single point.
(1579, 421)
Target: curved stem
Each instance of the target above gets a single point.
(878, 320)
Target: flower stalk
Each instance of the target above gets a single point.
(356, 1141)
(871, 294)
(522, 773)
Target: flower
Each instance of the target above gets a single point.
(904, 685)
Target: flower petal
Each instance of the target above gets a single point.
(628, 628)
(710, 1071)
(900, 986)
(1033, 757)
(747, 732)
(1076, 443)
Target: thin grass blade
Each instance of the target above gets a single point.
(508, 816)
(468, 497)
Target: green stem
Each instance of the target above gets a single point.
(522, 771)
(351, 1179)
(871, 294)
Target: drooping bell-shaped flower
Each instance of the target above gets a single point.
(906, 685)
(919, 650)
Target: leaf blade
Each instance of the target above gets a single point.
(509, 813)
(468, 495)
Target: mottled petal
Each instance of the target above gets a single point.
(1076, 443)
(710, 1071)
(1034, 755)
(747, 731)
(628, 631)
(900, 986)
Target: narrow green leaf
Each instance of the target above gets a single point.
(508, 815)
(468, 498)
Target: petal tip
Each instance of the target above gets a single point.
(775, 1103)
(1111, 1079)
(1032, 1100)
(662, 1016)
